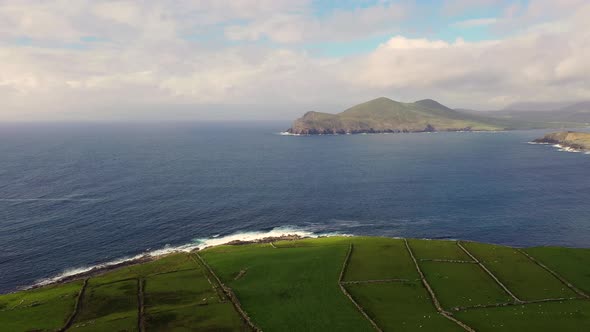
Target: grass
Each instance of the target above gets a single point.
(168, 263)
(571, 264)
(44, 309)
(218, 317)
(436, 249)
(380, 258)
(292, 289)
(523, 277)
(111, 323)
(314, 242)
(112, 304)
(550, 316)
(462, 285)
(185, 301)
(400, 306)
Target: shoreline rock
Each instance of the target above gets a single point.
(569, 139)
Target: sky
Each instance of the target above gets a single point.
(276, 59)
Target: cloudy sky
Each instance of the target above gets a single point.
(275, 59)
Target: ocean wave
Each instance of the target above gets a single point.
(566, 148)
(198, 243)
(286, 133)
(561, 148)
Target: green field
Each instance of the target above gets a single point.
(552, 316)
(44, 309)
(573, 264)
(380, 258)
(527, 280)
(108, 304)
(431, 249)
(462, 285)
(297, 286)
(400, 306)
(289, 289)
(185, 300)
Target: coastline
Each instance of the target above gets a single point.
(278, 234)
(100, 269)
(152, 256)
(287, 133)
(569, 141)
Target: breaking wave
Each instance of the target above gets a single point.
(566, 148)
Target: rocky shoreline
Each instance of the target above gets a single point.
(572, 140)
(147, 258)
(269, 239)
(341, 131)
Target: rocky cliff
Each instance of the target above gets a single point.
(570, 139)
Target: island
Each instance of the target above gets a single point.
(568, 139)
(384, 115)
(340, 283)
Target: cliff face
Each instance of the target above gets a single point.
(571, 139)
(384, 115)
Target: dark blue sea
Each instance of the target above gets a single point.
(78, 195)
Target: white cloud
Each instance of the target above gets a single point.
(340, 25)
(142, 58)
(538, 64)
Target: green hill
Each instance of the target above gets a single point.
(383, 115)
(324, 284)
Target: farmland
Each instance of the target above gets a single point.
(328, 284)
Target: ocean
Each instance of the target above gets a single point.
(73, 196)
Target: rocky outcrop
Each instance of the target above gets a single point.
(569, 139)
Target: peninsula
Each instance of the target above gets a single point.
(568, 139)
(383, 115)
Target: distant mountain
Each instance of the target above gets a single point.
(383, 115)
(536, 106)
(566, 116)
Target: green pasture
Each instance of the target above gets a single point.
(527, 280)
(294, 286)
(462, 285)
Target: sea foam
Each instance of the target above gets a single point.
(566, 148)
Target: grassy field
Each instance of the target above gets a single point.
(380, 258)
(44, 309)
(527, 280)
(108, 304)
(431, 249)
(400, 306)
(295, 286)
(462, 285)
(289, 289)
(572, 264)
(184, 301)
(550, 316)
